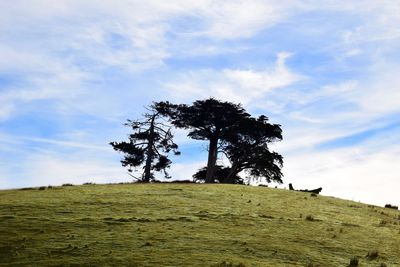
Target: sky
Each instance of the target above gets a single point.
(72, 72)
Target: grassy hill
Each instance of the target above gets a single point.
(191, 225)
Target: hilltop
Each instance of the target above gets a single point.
(192, 225)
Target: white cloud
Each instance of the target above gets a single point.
(6, 110)
(86, 27)
(46, 167)
(369, 98)
(380, 22)
(57, 84)
(56, 47)
(77, 158)
(184, 171)
(351, 173)
(54, 169)
(380, 93)
(239, 18)
(237, 85)
(64, 143)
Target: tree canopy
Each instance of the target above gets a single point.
(247, 149)
(220, 174)
(231, 130)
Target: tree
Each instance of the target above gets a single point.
(247, 149)
(148, 145)
(209, 119)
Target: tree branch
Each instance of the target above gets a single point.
(138, 179)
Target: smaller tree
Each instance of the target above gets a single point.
(148, 145)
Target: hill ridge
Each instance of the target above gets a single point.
(192, 225)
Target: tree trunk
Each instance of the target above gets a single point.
(150, 152)
(212, 159)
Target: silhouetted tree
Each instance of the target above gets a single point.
(148, 145)
(247, 149)
(209, 119)
(220, 174)
(229, 129)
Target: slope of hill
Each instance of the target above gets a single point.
(191, 225)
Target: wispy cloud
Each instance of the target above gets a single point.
(237, 85)
(351, 172)
(56, 169)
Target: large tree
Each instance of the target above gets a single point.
(210, 120)
(148, 145)
(247, 148)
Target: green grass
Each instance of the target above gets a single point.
(191, 225)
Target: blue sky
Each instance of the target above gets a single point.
(71, 72)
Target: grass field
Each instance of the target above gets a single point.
(191, 225)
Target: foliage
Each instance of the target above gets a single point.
(220, 175)
(247, 149)
(232, 131)
(148, 145)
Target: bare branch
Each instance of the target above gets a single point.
(138, 179)
(160, 129)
